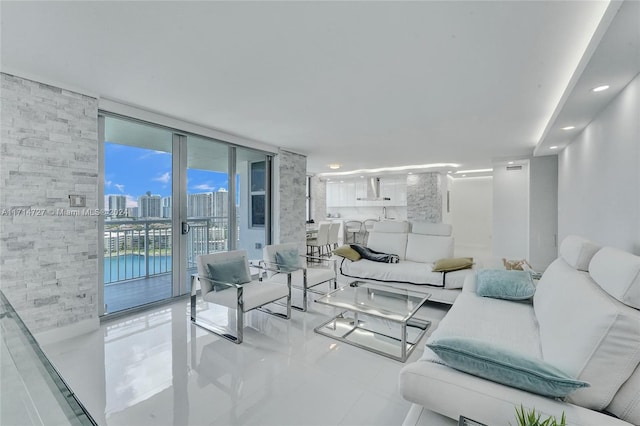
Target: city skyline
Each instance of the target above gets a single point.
(132, 172)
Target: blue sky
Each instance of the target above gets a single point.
(133, 171)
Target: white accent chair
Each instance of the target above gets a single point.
(303, 278)
(241, 297)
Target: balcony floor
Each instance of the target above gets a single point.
(131, 293)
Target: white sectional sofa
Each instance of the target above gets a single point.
(419, 245)
(584, 319)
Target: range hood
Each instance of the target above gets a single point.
(373, 191)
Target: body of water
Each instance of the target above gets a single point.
(126, 267)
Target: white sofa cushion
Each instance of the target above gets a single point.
(403, 272)
(586, 333)
(429, 228)
(428, 248)
(390, 243)
(578, 251)
(626, 403)
(397, 226)
(618, 273)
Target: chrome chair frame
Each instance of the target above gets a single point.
(239, 334)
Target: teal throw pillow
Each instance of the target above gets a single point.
(288, 260)
(503, 284)
(232, 271)
(504, 366)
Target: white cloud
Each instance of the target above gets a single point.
(222, 190)
(204, 187)
(107, 183)
(165, 178)
(119, 187)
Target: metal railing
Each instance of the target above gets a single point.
(142, 248)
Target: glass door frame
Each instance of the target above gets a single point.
(180, 282)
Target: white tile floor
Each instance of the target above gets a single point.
(156, 368)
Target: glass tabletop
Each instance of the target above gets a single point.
(388, 303)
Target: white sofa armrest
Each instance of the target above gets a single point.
(469, 283)
(453, 393)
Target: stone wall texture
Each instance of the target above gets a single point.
(48, 250)
(292, 191)
(318, 199)
(424, 197)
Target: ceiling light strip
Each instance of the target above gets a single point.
(391, 169)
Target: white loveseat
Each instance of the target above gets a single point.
(419, 245)
(584, 319)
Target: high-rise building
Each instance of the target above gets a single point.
(116, 205)
(208, 204)
(166, 206)
(150, 205)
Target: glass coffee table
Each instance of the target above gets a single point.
(377, 318)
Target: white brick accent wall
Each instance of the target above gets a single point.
(424, 197)
(48, 251)
(292, 198)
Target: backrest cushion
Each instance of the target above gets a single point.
(269, 255)
(396, 226)
(586, 333)
(578, 251)
(388, 242)
(204, 260)
(428, 248)
(429, 228)
(618, 273)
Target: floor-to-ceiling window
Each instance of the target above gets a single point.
(168, 197)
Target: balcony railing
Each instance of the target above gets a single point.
(142, 248)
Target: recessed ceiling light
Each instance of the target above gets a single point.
(464, 175)
(361, 177)
(600, 88)
(450, 171)
(553, 147)
(510, 162)
(334, 166)
(569, 128)
(410, 173)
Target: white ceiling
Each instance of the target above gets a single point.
(363, 84)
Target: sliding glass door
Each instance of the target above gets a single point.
(169, 197)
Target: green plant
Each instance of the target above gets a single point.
(532, 418)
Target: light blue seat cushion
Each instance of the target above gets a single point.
(232, 271)
(504, 366)
(502, 284)
(288, 260)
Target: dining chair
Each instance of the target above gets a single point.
(352, 228)
(225, 280)
(367, 226)
(303, 277)
(321, 239)
(334, 231)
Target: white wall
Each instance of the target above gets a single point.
(599, 176)
(471, 213)
(511, 212)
